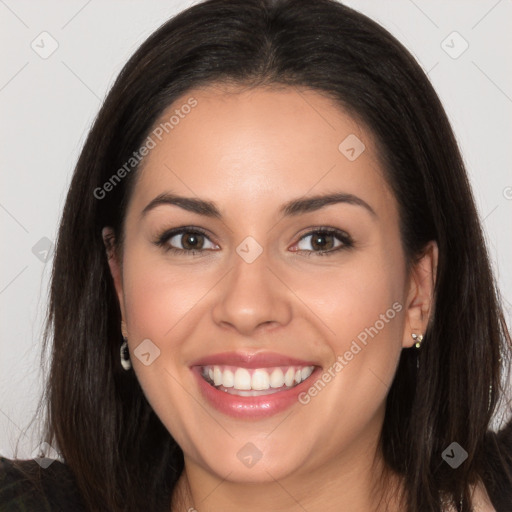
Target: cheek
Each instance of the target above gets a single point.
(159, 303)
(158, 296)
(362, 320)
(360, 307)
(353, 296)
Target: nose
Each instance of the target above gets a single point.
(252, 297)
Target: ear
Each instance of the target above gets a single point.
(420, 296)
(114, 263)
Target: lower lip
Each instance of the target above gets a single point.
(252, 407)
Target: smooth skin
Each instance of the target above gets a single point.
(250, 151)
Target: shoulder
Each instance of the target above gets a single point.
(480, 499)
(26, 485)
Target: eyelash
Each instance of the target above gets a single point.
(342, 236)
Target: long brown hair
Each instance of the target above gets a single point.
(97, 416)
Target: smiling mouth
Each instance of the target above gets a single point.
(241, 381)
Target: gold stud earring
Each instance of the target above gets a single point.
(124, 331)
(418, 338)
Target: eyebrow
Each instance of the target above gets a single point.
(291, 208)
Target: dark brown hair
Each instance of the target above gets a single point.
(97, 416)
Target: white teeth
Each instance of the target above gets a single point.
(242, 379)
(259, 379)
(305, 373)
(217, 376)
(277, 378)
(228, 379)
(289, 377)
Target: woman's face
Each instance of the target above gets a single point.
(257, 307)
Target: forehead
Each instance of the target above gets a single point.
(253, 147)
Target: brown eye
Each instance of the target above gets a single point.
(324, 241)
(185, 241)
(191, 241)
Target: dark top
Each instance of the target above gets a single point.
(57, 491)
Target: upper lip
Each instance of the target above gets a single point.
(251, 360)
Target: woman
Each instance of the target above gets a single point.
(205, 357)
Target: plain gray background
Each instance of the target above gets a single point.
(48, 103)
